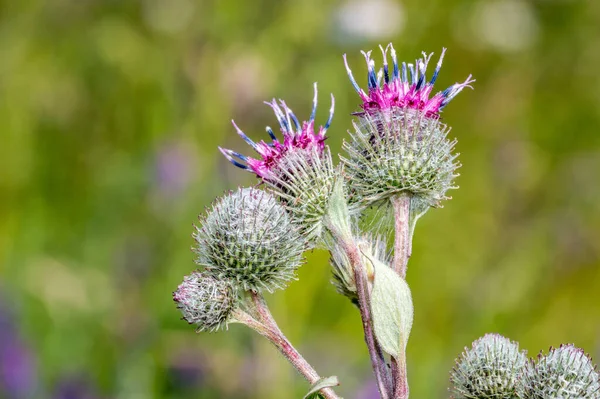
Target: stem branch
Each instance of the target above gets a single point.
(268, 328)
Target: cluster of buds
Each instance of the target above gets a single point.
(494, 367)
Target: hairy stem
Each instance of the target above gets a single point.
(402, 252)
(268, 328)
(402, 238)
(378, 363)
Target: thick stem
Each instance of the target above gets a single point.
(378, 363)
(268, 328)
(402, 238)
(400, 377)
(402, 252)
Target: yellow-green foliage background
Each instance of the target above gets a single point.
(110, 117)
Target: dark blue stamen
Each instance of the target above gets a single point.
(295, 120)
(404, 74)
(352, 80)
(243, 135)
(372, 79)
(421, 80)
(386, 74)
(330, 113)
(270, 131)
(229, 154)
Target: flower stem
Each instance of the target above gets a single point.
(402, 238)
(263, 323)
(402, 252)
(378, 363)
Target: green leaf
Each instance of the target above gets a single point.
(325, 382)
(391, 309)
(338, 216)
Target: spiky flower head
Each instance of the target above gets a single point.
(564, 373)
(249, 239)
(489, 369)
(399, 144)
(298, 169)
(205, 301)
(341, 267)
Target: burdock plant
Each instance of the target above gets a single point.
(398, 158)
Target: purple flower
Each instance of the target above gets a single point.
(18, 377)
(296, 137)
(401, 90)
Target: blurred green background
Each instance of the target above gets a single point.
(111, 112)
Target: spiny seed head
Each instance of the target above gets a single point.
(205, 301)
(399, 151)
(489, 369)
(342, 271)
(249, 239)
(298, 169)
(564, 373)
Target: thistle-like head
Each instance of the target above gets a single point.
(565, 372)
(205, 301)
(298, 168)
(399, 144)
(489, 369)
(248, 239)
(405, 87)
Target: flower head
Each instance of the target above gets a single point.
(298, 169)
(248, 239)
(406, 87)
(489, 369)
(205, 301)
(565, 372)
(399, 144)
(296, 137)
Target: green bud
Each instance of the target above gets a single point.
(249, 239)
(205, 301)
(565, 373)
(489, 369)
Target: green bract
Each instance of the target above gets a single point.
(399, 151)
(303, 180)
